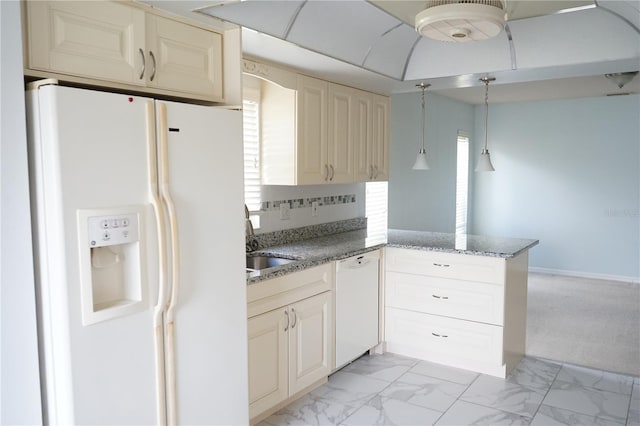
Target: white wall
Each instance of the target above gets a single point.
(418, 199)
(270, 220)
(568, 174)
(20, 392)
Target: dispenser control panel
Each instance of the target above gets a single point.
(112, 230)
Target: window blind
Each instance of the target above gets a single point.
(376, 206)
(251, 136)
(462, 182)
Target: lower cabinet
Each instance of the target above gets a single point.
(290, 349)
(460, 310)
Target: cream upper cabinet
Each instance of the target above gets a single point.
(312, 149)
(371, 124)
(120, 45)
(379, 153)
(341, 124)
(184, 58)
(318, 132)
(103, 40)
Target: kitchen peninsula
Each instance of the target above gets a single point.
(457, 300)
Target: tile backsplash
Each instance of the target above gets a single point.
(297, 203)
(335, 203)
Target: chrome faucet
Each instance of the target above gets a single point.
(247, 222)
(251, 242)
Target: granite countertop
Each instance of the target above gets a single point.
(316, 251)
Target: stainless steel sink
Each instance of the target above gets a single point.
(262, 262)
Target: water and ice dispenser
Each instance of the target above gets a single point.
(111, 263)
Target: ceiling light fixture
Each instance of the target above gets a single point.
(621, 78)
(461, 20)
(484, 162)
(421, 159)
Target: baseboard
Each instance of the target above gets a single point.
(634, 280)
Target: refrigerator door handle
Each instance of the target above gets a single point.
(161, 304)
(165, 195)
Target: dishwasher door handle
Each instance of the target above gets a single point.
(359, 263)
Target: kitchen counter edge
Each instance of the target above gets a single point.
(466, 244)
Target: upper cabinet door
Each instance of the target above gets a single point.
(380, 138)
(312, 163)
(96, 39)
(363, 128)
(340, 153)
(184, 58)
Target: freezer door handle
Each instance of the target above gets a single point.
(167, 200)
(161, 304)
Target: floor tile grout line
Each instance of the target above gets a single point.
(458, 397)
(625, 421)
(547, 392)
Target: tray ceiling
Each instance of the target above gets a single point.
(375, 40)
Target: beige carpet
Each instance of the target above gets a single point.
(588, 322)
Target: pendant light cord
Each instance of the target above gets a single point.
(423, 120)
(423, 86)
(486, 81)
(486, 112)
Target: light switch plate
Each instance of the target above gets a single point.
(314, 208)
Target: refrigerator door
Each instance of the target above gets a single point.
(205, 174)
(88, 153)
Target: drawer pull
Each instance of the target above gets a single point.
(441, 265)
(440, 297)
(444, 336)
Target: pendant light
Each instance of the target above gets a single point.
(421, 159)
(484, 162)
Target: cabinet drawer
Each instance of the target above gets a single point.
(266, 295)
(459, 343)
(476, 301)
(446, 265)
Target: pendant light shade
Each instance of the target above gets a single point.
(421, 159)
(484, 162)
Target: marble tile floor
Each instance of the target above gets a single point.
(394, 390)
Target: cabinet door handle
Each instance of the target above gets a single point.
(371, 172)
(326, 172)
(440, 297)
(153, 58)
(144, 63)
(332, 172)
(286, 313)
(375, 176)
(443, 336)
(441, 265)
(295, 318)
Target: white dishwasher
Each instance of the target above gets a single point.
(356, 306)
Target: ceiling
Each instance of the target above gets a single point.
(549, 49)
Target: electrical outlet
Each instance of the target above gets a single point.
(314, 208)
(285, 212)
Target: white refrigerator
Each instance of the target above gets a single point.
(138, 221)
